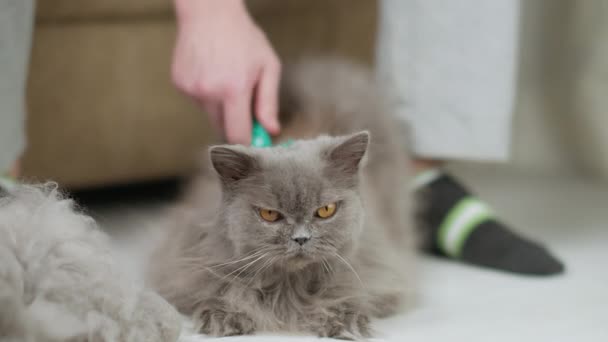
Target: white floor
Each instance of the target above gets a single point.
(463, 303)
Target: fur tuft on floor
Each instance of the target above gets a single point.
(60, 282)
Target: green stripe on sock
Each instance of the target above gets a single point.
(460, 222)
(455, 212)
(471, 225)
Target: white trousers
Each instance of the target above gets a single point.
(452, 67)
(16, 21)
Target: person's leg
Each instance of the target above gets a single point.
(16, 21)
(452, 64)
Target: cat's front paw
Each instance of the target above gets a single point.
(345, 324)
(221, 323)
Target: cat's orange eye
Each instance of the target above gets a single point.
(269, 215)
(327, 211)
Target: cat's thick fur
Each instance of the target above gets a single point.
(59, 281)
(236, 273)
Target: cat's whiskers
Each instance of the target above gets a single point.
(194, 264)
(243, 268)
(196, 267)
(264, 267)
(252, 255)
(210, 270)
(331, 269)
(325, 267)
(350, 267)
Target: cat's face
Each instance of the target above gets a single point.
(298, 204)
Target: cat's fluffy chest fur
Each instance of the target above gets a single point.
(248, 249)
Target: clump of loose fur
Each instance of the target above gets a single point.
(237, 273)
(59, 282)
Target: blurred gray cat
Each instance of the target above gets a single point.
(313, 237)
(59, 280)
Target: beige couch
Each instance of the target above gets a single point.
(102, 108)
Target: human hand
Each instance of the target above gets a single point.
(223, 60)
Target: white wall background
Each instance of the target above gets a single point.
(561, 121)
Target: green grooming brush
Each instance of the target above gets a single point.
(261, 138)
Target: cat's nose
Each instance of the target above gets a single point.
(301, 240)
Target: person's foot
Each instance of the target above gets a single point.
(8, 180)
(460, 226)
(7, 183)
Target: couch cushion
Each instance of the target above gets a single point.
(102, 109)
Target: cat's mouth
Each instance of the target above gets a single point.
(300, 254)
(299, 259)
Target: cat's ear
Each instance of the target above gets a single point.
(232, 163)
(346, 156)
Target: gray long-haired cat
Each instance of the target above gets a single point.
(313, 237)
